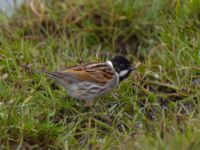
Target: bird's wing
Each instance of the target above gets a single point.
(98, 73)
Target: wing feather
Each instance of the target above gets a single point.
(99, 73)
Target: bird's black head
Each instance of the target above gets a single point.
(122, 66)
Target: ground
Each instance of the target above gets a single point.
(157, 107)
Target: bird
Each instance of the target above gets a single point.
(91, 80)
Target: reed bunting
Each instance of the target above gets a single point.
(94, 79)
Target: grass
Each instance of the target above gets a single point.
(156, 108)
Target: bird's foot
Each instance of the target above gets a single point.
(88, 103)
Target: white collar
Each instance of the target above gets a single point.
(110, 64)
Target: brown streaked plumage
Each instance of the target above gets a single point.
(99, 73)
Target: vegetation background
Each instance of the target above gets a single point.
(158, 107)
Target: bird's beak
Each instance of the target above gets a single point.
(132, 68)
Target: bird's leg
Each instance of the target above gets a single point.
(88, 103)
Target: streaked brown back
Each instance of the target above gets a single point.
(99, 73)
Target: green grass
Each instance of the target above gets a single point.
(157, 107)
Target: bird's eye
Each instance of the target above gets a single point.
(121, 65)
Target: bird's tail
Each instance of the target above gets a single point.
(51, 75)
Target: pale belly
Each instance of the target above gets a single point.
(86, 90)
